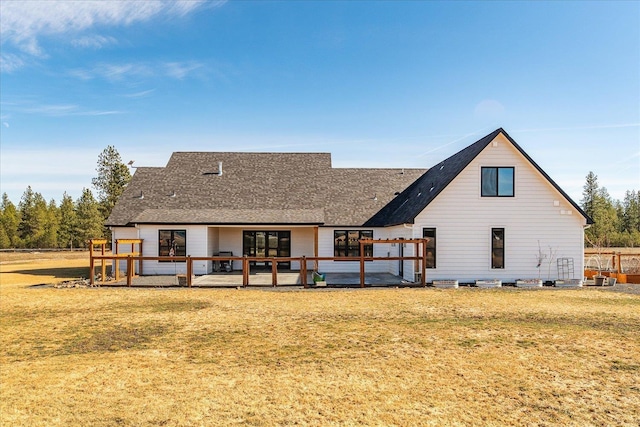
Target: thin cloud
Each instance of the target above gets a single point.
(179, 70)
(10, 62)
(119, 72)
(450, 143)
(23, 23)
(93, 42)
(60, 110)
(611, 126)
(142, 94)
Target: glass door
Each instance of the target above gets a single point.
(266, 244)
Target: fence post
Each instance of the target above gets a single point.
(129, 268)
(423, 268)
(245, 271)
(274, 272)
(361, 264)
(303, 271)
(91, 268)
(189, 270)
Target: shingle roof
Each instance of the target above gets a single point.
(289, 188)
(404, 208)
(257, 188)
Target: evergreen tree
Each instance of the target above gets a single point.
(33, 217)
(52, 223)
(597, 203)
(68, 230)
(113, 177)
(89, 218)
(589, 194)
(10, 223)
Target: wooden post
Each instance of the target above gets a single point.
(245, 272)
(424, 264)
(189, 270)
(361, 264)
(303, 271)
(129, 268)
(91, 268)
(274, 272)
(619, 268)
(315, 247)
(140, 263)
(103, 263)
(116, 264)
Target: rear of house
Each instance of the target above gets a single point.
(486, 212)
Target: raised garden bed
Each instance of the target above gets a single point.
(529, 283)
(445, 284)
(568, 283)
(489, 283)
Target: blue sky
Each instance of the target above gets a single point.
(378, 84)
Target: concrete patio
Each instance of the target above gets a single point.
(263, 279)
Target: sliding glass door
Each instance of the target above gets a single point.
(267, 244)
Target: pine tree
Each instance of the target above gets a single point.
(52, 223)
(89, 218)
(10, 222)
(33, 213)
(68, 230)
(597, 203)
(590, 193)
(113, 177)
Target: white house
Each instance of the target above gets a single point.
(486, 212)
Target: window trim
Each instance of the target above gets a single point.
(493, 248)
(368, 249)
(160, 245)
(435, 245)
(497, 183)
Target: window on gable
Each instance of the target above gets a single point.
(497, 248)
(497, 182)
(346, 243)
(430, 235)
(172, 243)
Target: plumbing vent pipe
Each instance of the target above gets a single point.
(219, 168)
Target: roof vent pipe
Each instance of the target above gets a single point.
(219, 168)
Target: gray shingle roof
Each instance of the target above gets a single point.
(257, 188)
(288, 188)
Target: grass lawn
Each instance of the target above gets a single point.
(182, 357)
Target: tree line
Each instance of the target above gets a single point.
(616, 222)
(36, 223)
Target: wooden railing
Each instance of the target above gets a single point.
(246, 265)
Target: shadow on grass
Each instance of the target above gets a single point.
(56, 272)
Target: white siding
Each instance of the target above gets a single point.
(326, 249)
(196, 246)
(118, 233)
(537, 213)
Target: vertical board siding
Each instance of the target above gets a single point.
(464, 220)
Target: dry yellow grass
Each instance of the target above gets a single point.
(185, 357)
(32, 268)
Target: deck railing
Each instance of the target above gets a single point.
(246, 265)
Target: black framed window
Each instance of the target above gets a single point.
(497, 248)
(430, 235)
(346, 243)
(172, 243)
(498, 181)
